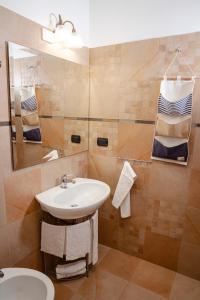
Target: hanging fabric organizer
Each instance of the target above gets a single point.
(174, 119)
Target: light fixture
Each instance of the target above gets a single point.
(59, 32)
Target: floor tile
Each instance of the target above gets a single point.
(103, 250)
(102, 286)
(119, 264)
(185, 288)
(134, 292)
(62, 292)
(74, 285)
(154, 278)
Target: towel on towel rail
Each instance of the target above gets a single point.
(122, 193)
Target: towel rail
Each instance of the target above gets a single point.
(134, 160)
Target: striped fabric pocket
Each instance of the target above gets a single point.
(29, 104)
(181, 107)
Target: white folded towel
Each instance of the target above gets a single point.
(122, 193)
(69, 270)
(78, 240)
(53, 239)
(93, 258)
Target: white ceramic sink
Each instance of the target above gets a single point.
(79, 199)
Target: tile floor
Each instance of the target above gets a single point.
(119, 276)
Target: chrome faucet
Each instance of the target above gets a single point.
(65, 180)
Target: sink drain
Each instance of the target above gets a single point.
(74, 205)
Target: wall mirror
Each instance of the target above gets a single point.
(49, 104)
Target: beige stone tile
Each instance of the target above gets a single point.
(194, 188)
(5, 149)
(153, 277)
(161, 250)
(107, 130)
(189, 257)
(51, 172)
(104, 82)
(62, 292)
(32, 261)
(76, 88)
(20, 191)
(103, 251)
(194, 160)
(119, 264)
(185, 288)
(133, 291)
(52, 133)
(75, 127)
(135, 141)
(102, 285)
(74, 285)
(191, 232)
(24, 236)
(105, 169)
(5, 259)
(108, 234)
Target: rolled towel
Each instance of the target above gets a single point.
(71, 269)
(61, 276)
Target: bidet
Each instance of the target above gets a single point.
(25, 284)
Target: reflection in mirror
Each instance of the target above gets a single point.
(49, 103)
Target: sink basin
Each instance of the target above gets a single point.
(25, 284)
(78, 200)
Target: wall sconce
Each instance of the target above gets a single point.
(58, 32)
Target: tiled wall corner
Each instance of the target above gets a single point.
(124, 87)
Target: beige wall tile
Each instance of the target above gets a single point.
(20, 191)
(5, 257)
(75, 127)
(188, 260)
(33, 261)
(52, 133)
(24, 237)
(161, 250)
(107, 130)
(135, 141)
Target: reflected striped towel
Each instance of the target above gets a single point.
(181, 107)
(29, 104)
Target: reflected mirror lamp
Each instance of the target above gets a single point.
(61, 32)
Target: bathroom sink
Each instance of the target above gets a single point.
(79, 199)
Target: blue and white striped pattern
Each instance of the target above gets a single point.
(181, 107)
(29, 104)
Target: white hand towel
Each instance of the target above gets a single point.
(122, 193)
(94, 238)
(78, 240)
(53, 239)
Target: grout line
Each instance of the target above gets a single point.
(5, 123)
